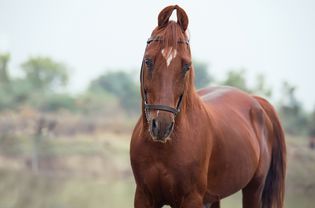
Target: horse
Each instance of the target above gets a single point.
(191, 149)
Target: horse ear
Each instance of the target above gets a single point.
(182, 18)
(165, 15)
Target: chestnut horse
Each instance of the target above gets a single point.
(193, 148)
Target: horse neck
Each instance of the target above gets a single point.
(191, 106)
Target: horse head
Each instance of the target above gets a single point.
(166, 77)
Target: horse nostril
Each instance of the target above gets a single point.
(160, 130)
(154, 124)
(170, 128)
(155, 127)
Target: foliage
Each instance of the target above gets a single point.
(45, 73)
(42, 77)
(311, 124)
(121, 85)
(291, 111)
(4, 76)
(15, 94)
(236, 78)
(96, 102)
(117, 92)
(261, 88)
(54, 102)
(202, 76)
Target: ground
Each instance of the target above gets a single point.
(94, 171)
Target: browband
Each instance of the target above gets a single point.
(159, 39)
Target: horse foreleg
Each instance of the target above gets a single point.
(192, 200)
(215, 205)
(142, 200)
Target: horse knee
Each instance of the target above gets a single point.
(193, 200)
(215, 205)
(141, 200)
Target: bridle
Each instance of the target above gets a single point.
(161, 107)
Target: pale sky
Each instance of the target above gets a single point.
(274, 37)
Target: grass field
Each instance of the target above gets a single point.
(94, 172)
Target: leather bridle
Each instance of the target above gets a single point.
(161, 107)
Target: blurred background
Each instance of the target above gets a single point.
(70, 95)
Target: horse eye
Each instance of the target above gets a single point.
(186, 67)
(148, 62)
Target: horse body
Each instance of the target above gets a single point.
(224, 140)
(215, 160)
(237, 145)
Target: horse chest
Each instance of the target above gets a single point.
(160, 180)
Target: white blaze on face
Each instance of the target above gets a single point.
(169, 54)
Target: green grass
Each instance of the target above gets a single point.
(33, 191)
(94, 172)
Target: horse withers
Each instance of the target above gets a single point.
(193, 148)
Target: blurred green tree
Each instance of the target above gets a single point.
(236, 78)
(311, 124)
(291, 111)
(17, 93)
(97, 102)
(261, 88)
(121, 85)
(54, 102)
(4, 74)
(13, 92)
(202, 76)
(44, 73)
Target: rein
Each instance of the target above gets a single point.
(161, 107)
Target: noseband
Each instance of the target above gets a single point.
(161, 107)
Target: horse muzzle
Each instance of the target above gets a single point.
(160, 129)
